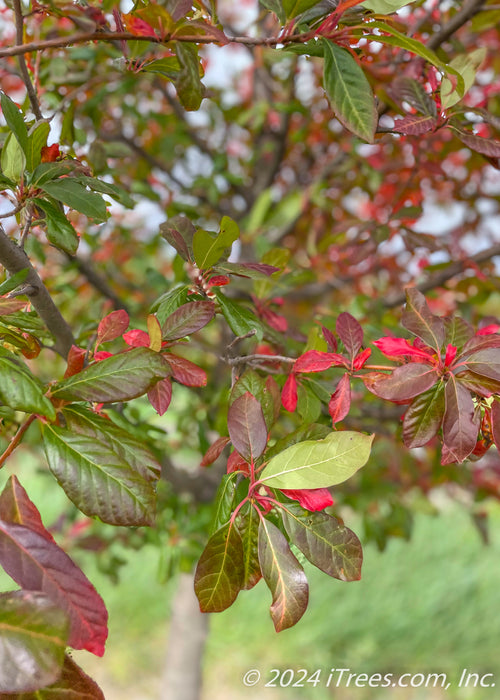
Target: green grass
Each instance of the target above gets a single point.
(430, 605)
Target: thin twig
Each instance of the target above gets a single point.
(16, 439)
(466, 12)
(35, 105)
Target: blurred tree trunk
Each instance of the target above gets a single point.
(186, 644)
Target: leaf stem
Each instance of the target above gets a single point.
(16, 439)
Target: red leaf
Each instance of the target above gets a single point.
(76, 360)
(349, 332)
(340, 400)
(317, 361)
(489, 330)
(360, 359)
(16, 507)
(289, 396)
(186, 372)
(400, 347)
(219, 281)
(49, 154)
(36, 563)
(236, 463)
(405, 382)
(160, 395)
(214, 451)
(137, 26)
(310, 499)
(112, 326)
(247, 427)
(137, 338)
(102, 355)
(418, 319)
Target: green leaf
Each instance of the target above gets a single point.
(60, 232)
(209, 249)
(318, 463)
(97, 477)
(15, 121)
(275, 6)
(349, 92)
(169, 67)
(395, 38)
(187, 83)
(117, 378)
(117, 193)
(49, 171)
(248, 521)
(33, 638)
(239, 319)
(326, 542)
(385, 7)
(37, 140)
(133, 450)
(424, 416)
(224, 501)
(77, 197)
(293, 8)
(309, 405)
(169, 302)
(20, 389)
(13, 160)
(219, 573)
(283, 575)
(14, 281)
(467, 65)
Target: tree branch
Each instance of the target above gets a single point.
(466, 12)
(443, 276)
(99, 283)
(14, 259)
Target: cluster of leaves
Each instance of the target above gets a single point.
(274, 498)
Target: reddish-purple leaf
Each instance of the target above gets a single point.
(350, 333)
(487, 147)
(289, 395)
(310, 499)
(214, 451)
(485, 362)
(327, 544)
(414, 124)
(460, 424)
(236, 463)
(480, 342)
(179, 232)
(483, 386)
(254, 270)
(495, 423)
(340, 400)
(112, 326)
(283, 575)
(405, 382)
(247, 427)
(186, 372)
(418, 319)
(160, 395)
(219, 574)
(424, 417)
(36, 563)
(187, 319)
(16, 507)
(330, 339)
(318, 361)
